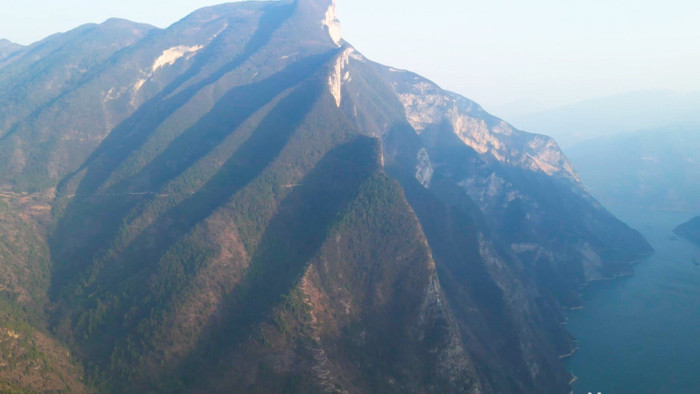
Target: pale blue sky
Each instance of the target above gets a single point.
(551, 52)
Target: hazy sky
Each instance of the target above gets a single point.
(547, 52)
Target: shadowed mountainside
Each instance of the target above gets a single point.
(690, 230)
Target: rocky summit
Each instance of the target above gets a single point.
(243, 202)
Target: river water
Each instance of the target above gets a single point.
(641, 334)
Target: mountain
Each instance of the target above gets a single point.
(619, 114)
(243, 202)
(654, 169)
(7, 48)
(690, 230)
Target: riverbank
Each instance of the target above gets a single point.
(639, 334)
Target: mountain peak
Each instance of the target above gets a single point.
(120, 23)
(7, 43)
(325, 13)
(332, 23)
(8, 47)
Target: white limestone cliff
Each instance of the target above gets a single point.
(332, 23)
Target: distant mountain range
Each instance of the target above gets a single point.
(7, 48)
(607, 116)
(655, 169)
(243, 202)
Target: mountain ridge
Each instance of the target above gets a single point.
(655, 168)
(7, 48)
(617, 114)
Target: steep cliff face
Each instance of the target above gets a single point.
(252, 205)
(528, 190)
